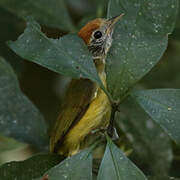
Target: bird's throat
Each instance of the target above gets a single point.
(100, 66)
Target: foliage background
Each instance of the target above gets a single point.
(46, 88)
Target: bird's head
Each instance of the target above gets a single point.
(97, 34)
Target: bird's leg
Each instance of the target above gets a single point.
(111, 129)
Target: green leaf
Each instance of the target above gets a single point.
(176, 34)
(166, 73)
(140, 130)
(19, 118)
(163, 107)
(67, 55)
(7, 144)
(77, 167)
(93, 8)
(162, 178)
(51, 13)
(29, 169)
(9, 30)
(115, 165)
(140, 40)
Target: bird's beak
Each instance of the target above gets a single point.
(112, 21)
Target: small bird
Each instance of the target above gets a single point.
(86, 107)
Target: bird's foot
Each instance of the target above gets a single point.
(111, 131)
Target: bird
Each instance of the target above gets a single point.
(86, 107)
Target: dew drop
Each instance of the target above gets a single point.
(14, 121)
(169, 109)
(65, 176)
(151, 63)
(66, 164)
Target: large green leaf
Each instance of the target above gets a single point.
(51, 13)
(176, 32)
(9, 30)
(115, 165)
(140, 39)
(162, 178)
(29, 169)
(7, 144)
(85, 8)
(77, 167)
(166, 73)
(163, 107)
(140, 129)
(19, 118)
(67, 55)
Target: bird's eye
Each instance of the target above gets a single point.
(98, 34)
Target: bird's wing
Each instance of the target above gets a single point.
(78, 97)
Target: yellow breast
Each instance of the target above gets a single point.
(97, 116)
